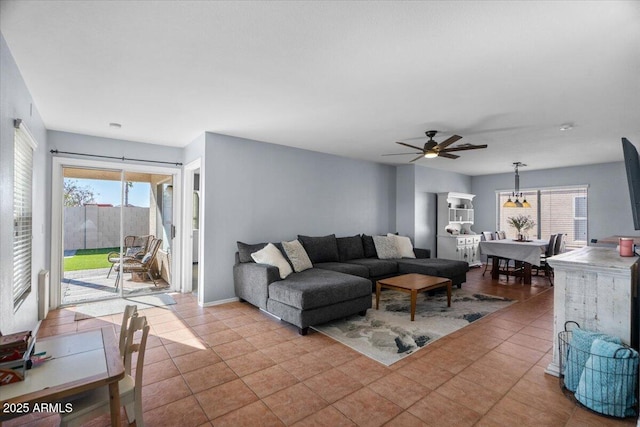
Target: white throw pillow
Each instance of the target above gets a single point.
(297, 255)
(386, 247)
(404, 245)
(271, 255)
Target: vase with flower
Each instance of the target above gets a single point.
(522, 224)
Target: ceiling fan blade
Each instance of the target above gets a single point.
(464, 147)
(398, 154)
(417, 158)
(449, 141)
(447, 155)
(410, 146)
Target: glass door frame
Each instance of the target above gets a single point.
(57, 217)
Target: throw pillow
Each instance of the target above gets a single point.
(271, 255)
(321, 249)
(404, 245)
(133, 251)
(297, 255)
(386, 247)
(369, 247)
(146, 257)
(350, 248)
(245, 250)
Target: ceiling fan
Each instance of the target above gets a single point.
(432, 149)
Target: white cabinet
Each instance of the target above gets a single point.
(460, 248)
(456, 240)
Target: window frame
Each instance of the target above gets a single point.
(539, 192)
(581, 218)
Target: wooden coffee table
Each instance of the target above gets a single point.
(413, 283)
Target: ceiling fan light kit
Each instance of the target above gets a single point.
(432, 149)
(516, 194)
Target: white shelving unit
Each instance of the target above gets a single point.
(456, 239)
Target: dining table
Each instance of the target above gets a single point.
(78, 363)
(525, 251)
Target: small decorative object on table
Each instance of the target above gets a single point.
(521, 223)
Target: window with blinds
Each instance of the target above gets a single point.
(24, 146)
(555, 210)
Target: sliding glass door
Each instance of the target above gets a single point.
(117, 233)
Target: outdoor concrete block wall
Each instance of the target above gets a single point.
(91, 227)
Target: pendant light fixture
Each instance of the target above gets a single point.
(516, 193)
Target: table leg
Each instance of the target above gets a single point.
(495, 268)
(449, 293)
(414, 298)
(527, 273)
(378, 286)
(114, 404)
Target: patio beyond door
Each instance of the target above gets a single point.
(117, 234)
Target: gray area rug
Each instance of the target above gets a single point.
(115, 306)
(388, 334)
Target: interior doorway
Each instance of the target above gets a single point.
(116, 231)
(194, 229)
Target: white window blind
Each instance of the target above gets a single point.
(22, 211)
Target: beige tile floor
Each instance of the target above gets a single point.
(232, 365)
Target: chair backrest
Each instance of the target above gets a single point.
(501, 235)
(150, 255)
(551, 246)
(559, 247)
(144, 242)
(136, 343)
(488, 235)
(130, 311)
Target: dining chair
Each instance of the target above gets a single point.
(560, 244)
(95, 403)
(488, 236)
(130, 311)
(548, 253)
(508, 268)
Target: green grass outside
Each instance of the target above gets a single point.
(88, 259)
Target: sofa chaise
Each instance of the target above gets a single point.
(339, 284)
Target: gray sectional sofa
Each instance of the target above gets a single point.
(340, 284)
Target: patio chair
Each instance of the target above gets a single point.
(133, 247)
(144, 265)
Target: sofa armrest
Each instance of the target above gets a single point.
(422, 253)
(251, 282)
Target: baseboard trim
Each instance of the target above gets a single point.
(222, 301)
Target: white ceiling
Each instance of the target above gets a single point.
(346, 78)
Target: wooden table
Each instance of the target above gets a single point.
(413, 283)
(80, 362)
(528, 252)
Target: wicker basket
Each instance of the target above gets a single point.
(607, 383)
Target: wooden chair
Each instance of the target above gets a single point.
(130, 311)
(96, 403)
(144, 265)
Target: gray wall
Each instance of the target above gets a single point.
(16, 102)
(416, 186)
(258, 192)
(609, 208)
